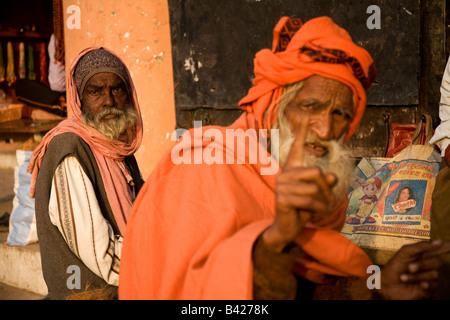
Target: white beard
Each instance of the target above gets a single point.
(111, 128)
(337, 160)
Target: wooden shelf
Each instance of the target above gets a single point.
(28, 126)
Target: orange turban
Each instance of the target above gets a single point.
(300, 50)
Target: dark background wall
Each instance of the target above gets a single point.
(214, 44)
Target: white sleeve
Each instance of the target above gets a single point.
(74, 209)
(56, 70)
(441, 136)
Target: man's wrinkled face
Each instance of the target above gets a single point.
(330, 106)
(106, 105)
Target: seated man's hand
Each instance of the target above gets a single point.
(302, 194)
(413, 272)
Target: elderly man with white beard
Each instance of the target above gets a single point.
(312, 117)
(235, 233)
(85, 179)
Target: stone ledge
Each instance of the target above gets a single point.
(20, 267)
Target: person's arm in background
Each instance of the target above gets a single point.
(441, 136)
(56, 70)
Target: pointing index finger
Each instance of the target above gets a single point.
(296, 154)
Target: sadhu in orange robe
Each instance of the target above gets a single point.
(192, 228)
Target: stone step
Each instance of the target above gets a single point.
(20, 266)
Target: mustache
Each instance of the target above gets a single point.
(314, 140)
(327, 145)
(111, 128)
(88, 116)
(110, 111)
(336, 160)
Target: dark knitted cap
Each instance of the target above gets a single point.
(98, 61)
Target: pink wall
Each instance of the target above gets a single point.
(139, 32)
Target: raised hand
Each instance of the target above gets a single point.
(302, 194)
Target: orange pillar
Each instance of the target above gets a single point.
(138, 31)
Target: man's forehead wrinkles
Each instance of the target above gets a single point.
(94, 86)
(339, 102)
(101, 86)
(101, 82)
(102, 78)
(342, 101)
